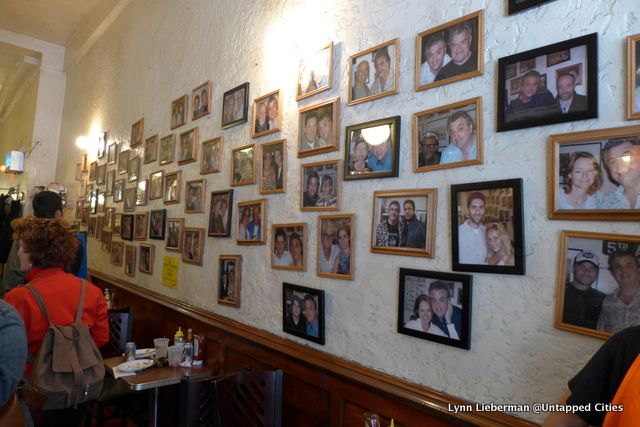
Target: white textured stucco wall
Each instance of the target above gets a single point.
(158, 50)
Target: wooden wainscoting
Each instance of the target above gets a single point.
(319, 389)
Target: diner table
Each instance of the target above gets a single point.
(155, 377)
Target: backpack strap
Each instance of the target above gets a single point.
(81, 303)
(40, 301)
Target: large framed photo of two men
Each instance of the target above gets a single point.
(598, 289)
(551, 84)
(404, 222)
(487, 234)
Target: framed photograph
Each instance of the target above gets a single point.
(126, 227)
(372, 149)
(487, 234)
(151, 149)
(130, 260)
(229, 279)
(109, 218)
(633, 77)
(520, 5)
(336, 246)
(137, 133)
(201, 97)
(93, 169)
(129, 199)
(123, 162)
(175, 227)
(404, 222)
(374, 72)
(167, 149)
(220, 213)
(450, 52)
(593, 175)
(140, 226)
(117, 224)
(597, 288)
(315, 73)
(555, 58)
(193, 245)
(147, 253)
(105, 240)
(449, 136)
(101, 174)
(112, 154)
(188, 148)
(100, 203)
(289, 246)
(544, 95)
(318, 128)
(273, 178)
(435, 306)
(93, 201)
(117, 249)
(118, 190)
(303, 312)
(102, 144)
(111, 179)
(155, 185)
(251, 224)
(243, 165)
(134, 169)
(195, 196)
(211, 156)
(79, 208)
(267, 115)
(157, 223)
(235, 106)
(321, 191)
(141, 193)
(171, 190)
(179, 111)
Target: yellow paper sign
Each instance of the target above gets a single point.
(170, 271)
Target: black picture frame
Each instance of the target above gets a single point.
(419, 286)
(157, 224)
(354, 135)
(214, 229)
(498, 208)
(126, 227)
(228, 122)
(516, 6)
(544, 107)
(291, 293)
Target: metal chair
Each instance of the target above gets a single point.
(248, 399)
(196, 402)
(120, 326)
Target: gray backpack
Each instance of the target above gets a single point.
(68, 368)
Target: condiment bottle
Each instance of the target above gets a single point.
(107, 297)
(179, 336)
(190, 335)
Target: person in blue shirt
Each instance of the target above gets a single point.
(311, 314)
(379, 159)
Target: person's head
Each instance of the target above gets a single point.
(429, 144)
(529, 84)
(460, 128)
(327, 185)
(435, 50)
(566, 86)
(204, 98)
(272, 108)
(440, 294)
(280, 241)
(362, 73)
(625, 268)
(422, 308)
(498, 241)
(277, 157)
(361, 150)
(586, 266)
(295, 246)
(344, 236)
(326, 126)
(266, 159)
(246, 215)
(311, 127)
(382, 63)
(381, 151)
(583, 172)
(313, 181)
(328, 234)
(47, 204)
(460, 38)
(296, 306)
(262, 112)
(622, 160)
(409, 208)
(394, 212)
(256, 214)
(222, 206)
(196, 103)
(229, 105)
(476, 207)
(44, 242)
(310, 308)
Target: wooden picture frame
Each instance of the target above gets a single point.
(129, 199)
(157, 224)
(117, 249)
(220, 213)
(188, 147)
(151, 149)
(140, 226)
(436, 65)
(109, 218)
(133, 169)
(324, 178)
(267, 114)
(243, 165)
(156, 179)
(449, 136)
(235, 106)
(252, 230)
(167, 149)
(494, 207)
(273, 164)
(201, 100)
(112, 154)
(315, 73)
(586, 181)
(179, 111)
(194, 196)
(171, 187)
(102, 145)
(93, 169)
(365, 66)
(146, 258)
(432, 293)
(117, 224)
(101, 174)
(229, 279)
(118, 190)
(110, 182)
(382, 140)
(141, 193)
(192, 245)
(123, 162)
(633, 77)
(137, 133)
(318, 128)
(336, 233)
(211, 158)
(130, 260)
(289, 246)
(312, 301)
(126, 227)
(175, 228)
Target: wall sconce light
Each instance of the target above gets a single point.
(82, 142)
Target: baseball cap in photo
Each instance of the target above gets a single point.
(587, 256)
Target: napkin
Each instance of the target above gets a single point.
(117, 373)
